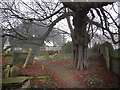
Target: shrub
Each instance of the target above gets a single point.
(21, 57)
(117, 51)
(8, 60)
(108, 45)
(67, 47)
(95, 48)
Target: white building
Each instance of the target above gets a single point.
(53, 48)
(7, 43)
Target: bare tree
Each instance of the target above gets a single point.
(49, 13)
(80, 34)
(18, 23)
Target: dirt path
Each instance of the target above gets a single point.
(67, 78)
(64, 76)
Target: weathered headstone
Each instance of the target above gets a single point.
(15, 83)
(27, 59)
(6, 71)
(107, 58)
(14, 71)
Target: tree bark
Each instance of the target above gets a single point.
(80, 58)
(80, 39)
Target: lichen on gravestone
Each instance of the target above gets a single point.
(14, 71)
(6, 71)
(8, 67)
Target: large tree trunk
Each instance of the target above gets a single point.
(80, 59)
(80, 39)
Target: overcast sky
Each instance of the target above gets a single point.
(63, 23)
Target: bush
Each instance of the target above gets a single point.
(117, 51)
(108, 45)
(95, 48)
(67, 47)
(7, 54)
(8, 60)
(21, 57)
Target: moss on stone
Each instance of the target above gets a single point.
(14, 71)
(6, 71)
(115, 56)
(109, 46)
(8, 60)
(8, 67)
(14, 81)
(112, 53)
(7, 54)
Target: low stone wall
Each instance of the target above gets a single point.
(115, 66)
(112, 58)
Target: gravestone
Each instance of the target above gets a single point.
(14, 71)
(27, 59)
(6, 71)
(16, 83)
(107, 58)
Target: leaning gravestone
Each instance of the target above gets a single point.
(14, 71)
(27, 59)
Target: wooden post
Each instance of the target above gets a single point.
(27, 59)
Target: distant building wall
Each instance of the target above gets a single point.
(53, 48)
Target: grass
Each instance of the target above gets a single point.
(94, 81)
(60, 56)
(32, 87)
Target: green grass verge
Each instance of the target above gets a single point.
(60, 56)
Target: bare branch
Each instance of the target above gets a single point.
(107, 29)
(56, 21)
